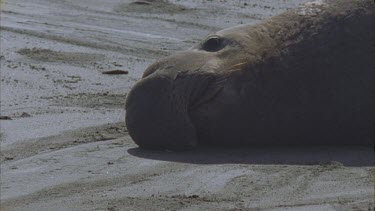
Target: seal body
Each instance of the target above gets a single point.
(304, 77)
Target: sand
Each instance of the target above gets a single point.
(64, 145)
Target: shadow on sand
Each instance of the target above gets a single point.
(317, 155)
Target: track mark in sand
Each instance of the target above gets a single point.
(15, 116)
(139, 34)
(274, 178)
(94, 187)
(342, 203)
(5, 118)
(175, 202)
(154, 202)
(89, 100)
(150, 6)
(127, 50)
(67, 189)
(293, 186)
(48, 55)
(115, 72)
(67, 139)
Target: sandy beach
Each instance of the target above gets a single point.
(64, 144)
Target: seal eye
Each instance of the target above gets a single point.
(213, 44)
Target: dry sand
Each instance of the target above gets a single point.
(66, 146)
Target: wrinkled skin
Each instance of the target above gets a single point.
(301, 78)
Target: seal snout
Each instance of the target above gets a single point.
(157, 120)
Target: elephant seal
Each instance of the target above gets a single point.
(304, 77)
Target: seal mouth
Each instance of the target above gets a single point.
(208, 84)
(208, 90)
(159, 107)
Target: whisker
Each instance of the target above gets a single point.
(225, 76)
(238, 64)
(232, 70)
